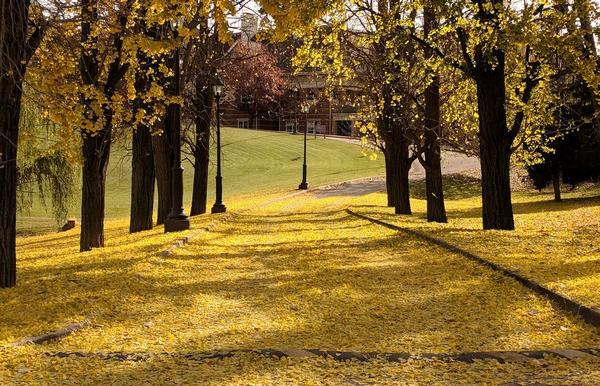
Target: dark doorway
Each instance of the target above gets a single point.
(343, 128)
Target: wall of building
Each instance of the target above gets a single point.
(327, 118)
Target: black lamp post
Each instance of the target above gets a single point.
(177, 220)
(218, 207)
(304, 185)
(297, 96)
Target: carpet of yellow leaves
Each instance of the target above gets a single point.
(247, 369)
(556, 244)
(298, 273)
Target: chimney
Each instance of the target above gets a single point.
(249, 25)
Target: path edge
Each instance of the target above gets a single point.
(340, 356)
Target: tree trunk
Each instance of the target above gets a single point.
(400, 168)
(203, 106)
(142, 180)
(96, 152)
(403, 204)
(556, 185)
(391, 150)
(10, 107)
(15, 52)
(436, 209)
(397, 164)
(142, 160)
(389, 179)
(495, 149)
(162, 169)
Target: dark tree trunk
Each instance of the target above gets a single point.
(15, 51)
(403, 204)
(96, 152)
(142, 161)
(436, 209)
(399, 170)
(494, 148)
(142, 180)
(201, 148)
(434, 188)
(392, 150)
(162, 169)
(95, 148)
(556, 185)
(495, 139)
(96, 144)
(397, 160)
(10, 107)
(389, 179)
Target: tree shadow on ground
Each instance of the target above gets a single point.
(352, 286)
(554, 244)
(535, 206)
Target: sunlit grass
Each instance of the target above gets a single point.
(254, 162)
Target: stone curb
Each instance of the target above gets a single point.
(589, 314)
(340, 356)
(194, 235)
(51, 336)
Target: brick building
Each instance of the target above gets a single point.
(325, 115)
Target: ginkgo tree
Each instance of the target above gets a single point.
(93, 90)
(21, 30)
(507, 51)
(85, 73)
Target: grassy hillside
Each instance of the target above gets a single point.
(253, 162)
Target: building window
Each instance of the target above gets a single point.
(314, 125)
(343, 128)
(247, 99)
(291, 126)
(243, 123)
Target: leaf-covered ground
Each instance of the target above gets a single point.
(296, 273)
(245, 369)
(556, 244)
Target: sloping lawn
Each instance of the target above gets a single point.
(254, 162)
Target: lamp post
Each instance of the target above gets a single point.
(304, 185)
(218, 207)
(297, 96)
(177, 220)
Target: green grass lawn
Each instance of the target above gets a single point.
(253, 162)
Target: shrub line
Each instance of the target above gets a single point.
(589, 314)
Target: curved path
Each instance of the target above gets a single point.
(452, 163)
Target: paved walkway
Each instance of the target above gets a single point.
(452, 163)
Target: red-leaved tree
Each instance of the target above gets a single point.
(254, 81)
